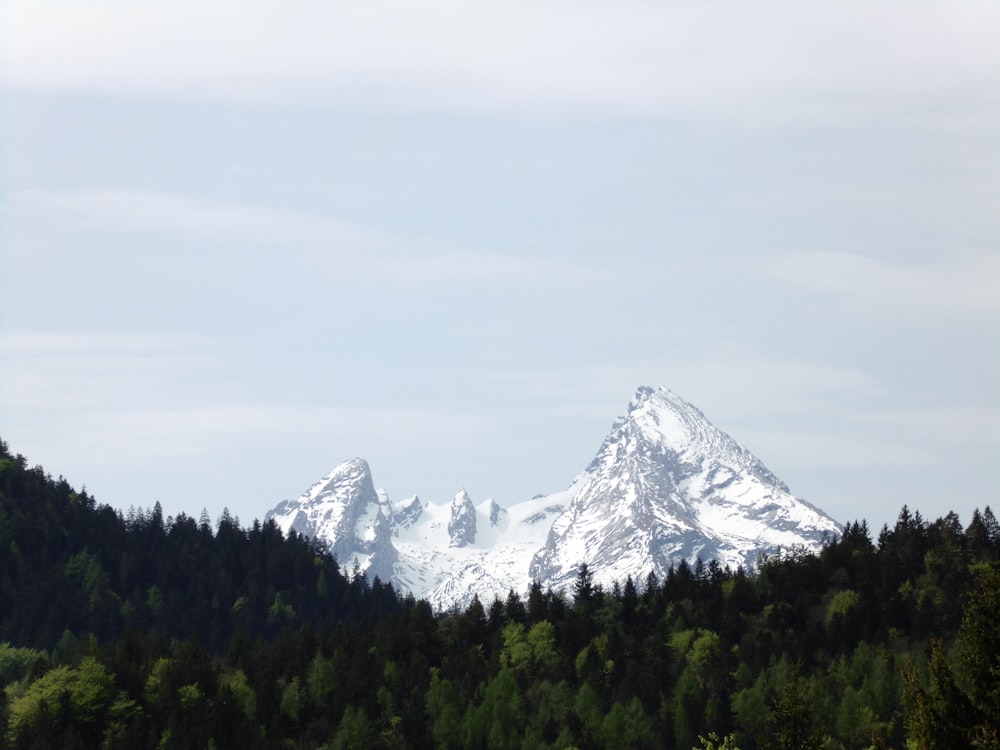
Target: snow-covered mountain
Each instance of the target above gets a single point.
(666, 485)
(344, 509)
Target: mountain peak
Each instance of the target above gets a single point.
(668, 485)
(345, 510)
(665, 417)
(659, 422)
(352, 469)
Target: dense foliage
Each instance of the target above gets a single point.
(138, 631)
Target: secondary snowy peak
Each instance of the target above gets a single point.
(346, 511)
(667, 486)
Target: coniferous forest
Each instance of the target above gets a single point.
(138, 631)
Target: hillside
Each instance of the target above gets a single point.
(133, 631)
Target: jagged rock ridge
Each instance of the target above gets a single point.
(462, 526)
(666, 485)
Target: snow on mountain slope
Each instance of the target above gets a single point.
(665, 486)
(491, 565)
(344, 509)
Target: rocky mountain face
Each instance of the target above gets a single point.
(665, 486)
(345, 510)
(462, 526)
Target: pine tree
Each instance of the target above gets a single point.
(583, 587)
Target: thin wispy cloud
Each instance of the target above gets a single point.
(342, 250)
(159, 213)
(233, 424)
(740, 384)
(806, 450)
(124, 396)
(958, 284)
(955, 423)
(27, 345)
(57, 372)
(878, 436)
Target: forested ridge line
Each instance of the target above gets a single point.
(134, 630)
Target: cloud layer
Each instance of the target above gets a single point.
(762, 61)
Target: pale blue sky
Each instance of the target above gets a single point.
(245, 241)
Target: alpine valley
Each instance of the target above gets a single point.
(665, 486)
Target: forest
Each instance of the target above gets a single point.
(131, 630)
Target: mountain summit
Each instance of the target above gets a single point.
(668, 485)
(665, 486)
